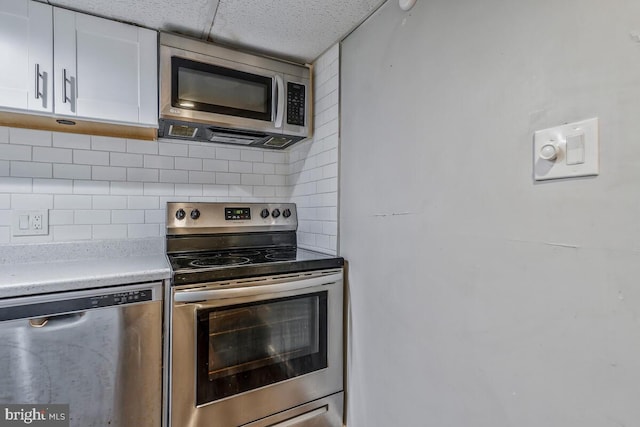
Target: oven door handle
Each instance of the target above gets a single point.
(215, 294)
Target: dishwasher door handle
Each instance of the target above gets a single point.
(59, 320)
(294, 285)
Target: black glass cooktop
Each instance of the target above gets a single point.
(201, 266)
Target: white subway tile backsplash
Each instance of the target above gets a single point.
(15, 152)
(110, 231)
(188, 163)
(158, 189)
(202, 151)
(264, 168)
(174, 176)
(32, 201)
(5, 235)
(91, 187)
(53, 186)
(240, 167)
(252, 155)
(109, 202)
(142, 147)
(5, 201)
(196, 177)
(93, 216)
(31, 169)
(66, 171)
(244, 192)
(61, 217)
(158, 162)
(143, 202)
(65, 233)
(275, 180)
(215, 165)
(29, 137)
(188, 190)
(252, 179)
(264, 191)
(127, 216)
(87, 157)
(63, 201)
(135, 231)
(215, 190)
(155, 216)
(4, 135)
(227, 178)
(126, 159)
(227, 153)
(4, 167)
(71, 140)
(142, 175)
(108, 173)
(173, 149)
(275, 157)
(16, 185)
(105, 143)
(127, 188)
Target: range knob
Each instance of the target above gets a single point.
(286, 213)
(195, 214)
(264, 213)
(180, 214)
(275, 213)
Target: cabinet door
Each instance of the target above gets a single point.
(105, 70)
(26, 60)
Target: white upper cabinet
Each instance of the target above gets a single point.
(26, 55)
(104, 69)
(67, 63)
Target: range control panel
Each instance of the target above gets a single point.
(220, 217)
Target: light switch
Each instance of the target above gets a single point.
(24, 222)
(566, 151)
(575, 149)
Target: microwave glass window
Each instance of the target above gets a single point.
(221, 90)
(274, 341)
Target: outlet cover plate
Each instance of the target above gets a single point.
(34, 222)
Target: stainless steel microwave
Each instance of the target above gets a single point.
(216, 94)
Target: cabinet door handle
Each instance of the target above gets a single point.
(65, 80)
(38, 77)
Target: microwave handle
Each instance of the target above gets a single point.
(215, 294)
(280, 104)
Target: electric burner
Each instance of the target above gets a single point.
(219, 261)
(212, 241)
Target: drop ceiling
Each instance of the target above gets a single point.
(299, 30)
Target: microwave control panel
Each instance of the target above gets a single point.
(295, 103)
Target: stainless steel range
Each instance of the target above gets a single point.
(254, 323)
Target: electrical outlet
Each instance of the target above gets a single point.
(30, 223)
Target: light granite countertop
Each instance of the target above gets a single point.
(57, 267)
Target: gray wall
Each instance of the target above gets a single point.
(479, 297)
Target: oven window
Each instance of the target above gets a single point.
(248, 346)
(205, 87)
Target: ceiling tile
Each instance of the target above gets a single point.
(298, 29)
(191, 17)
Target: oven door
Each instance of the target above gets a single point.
(245, 350)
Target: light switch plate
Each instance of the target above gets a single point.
(583, 160)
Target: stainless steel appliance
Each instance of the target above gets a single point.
(216, 94)
(100, 351)
(255, 323)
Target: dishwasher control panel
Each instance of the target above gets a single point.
(74, 302)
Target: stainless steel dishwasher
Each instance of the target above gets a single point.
(100, 351)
